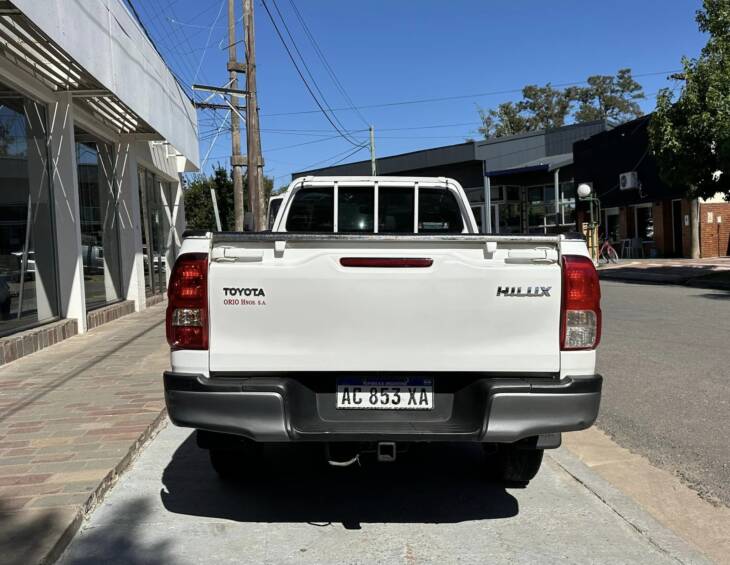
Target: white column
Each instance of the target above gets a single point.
(175, 224)
(130, 225)
(65, 201)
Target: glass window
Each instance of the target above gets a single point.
(510, 218)
(99, 226)
(395, 209)
(612, 227)
(312, 210)
(644, 223)
(438, 211)
(27, 254)
(513, 193)
(355, 209)
(496, 193)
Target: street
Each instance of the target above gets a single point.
(435, 505)
(666, 394)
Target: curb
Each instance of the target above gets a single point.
(629, 511)
(688, 282)
(97, 495)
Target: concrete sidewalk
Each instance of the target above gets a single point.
(700, 273)
(72, 417)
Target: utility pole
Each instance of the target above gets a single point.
(373, 167)
(234, 68)
(253, 137)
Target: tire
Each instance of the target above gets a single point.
(612, 255)
(235, 463)
(512, 465)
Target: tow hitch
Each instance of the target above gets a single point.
(346, 454)
(386, 451)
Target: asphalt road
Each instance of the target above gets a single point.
(665, 358)
(433, 506)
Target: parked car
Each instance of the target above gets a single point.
(375, 315)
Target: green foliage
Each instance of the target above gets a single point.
(199, 206)
(543, 107)
(690, 137)
(608, 97)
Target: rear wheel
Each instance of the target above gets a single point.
(513, 465)
(232, 457)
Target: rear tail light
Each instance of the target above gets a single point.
(580, 322)
(187, 306)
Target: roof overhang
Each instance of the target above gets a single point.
(544, 164)
(98, 53)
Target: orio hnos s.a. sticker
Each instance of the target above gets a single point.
(243, 296)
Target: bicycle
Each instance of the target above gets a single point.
(607, 253)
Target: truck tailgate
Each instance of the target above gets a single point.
(297, 308)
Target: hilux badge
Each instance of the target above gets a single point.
(530, 291)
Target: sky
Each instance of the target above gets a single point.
(388, 56)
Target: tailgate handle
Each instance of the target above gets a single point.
(538, 255)
(231, 254)
(387, 262)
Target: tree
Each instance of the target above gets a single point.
(546, 107)
(505, 120)
(199, 206)
(690, 137)
(606, 97)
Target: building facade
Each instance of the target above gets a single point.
(645, 217)
(525, 180)
(94, 133)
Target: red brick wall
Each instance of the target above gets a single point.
(714, 237)
(624, 228)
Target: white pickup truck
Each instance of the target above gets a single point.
(374, 315)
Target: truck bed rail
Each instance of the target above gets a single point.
(236, 237)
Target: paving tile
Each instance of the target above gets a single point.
(69, 415)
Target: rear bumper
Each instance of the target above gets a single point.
(301, 408)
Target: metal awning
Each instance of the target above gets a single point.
(29, 48)
(549, 163)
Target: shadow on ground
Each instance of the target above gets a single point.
(715, 295)
(115, 544)
(700, 276)
(40, 535)
(438, 483)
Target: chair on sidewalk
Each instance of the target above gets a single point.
(625, 249)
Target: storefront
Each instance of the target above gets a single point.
(90, 193)
(28, 285)
(643, 216)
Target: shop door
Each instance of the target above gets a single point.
(677, 247)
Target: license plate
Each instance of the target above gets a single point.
(374, 394)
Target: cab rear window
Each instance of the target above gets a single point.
(312, 210)
(438, 212)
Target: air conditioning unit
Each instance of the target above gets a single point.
(629, 181)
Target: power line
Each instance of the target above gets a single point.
(455, 97)
(306, 67)
(301, 75)
(326, 64)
